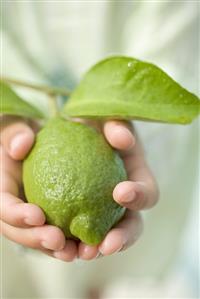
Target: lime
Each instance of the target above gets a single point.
(70, 173)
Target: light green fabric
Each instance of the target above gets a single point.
(55, 42)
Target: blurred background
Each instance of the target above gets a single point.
(55, 42)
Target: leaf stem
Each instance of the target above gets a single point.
(42, 88)
(53, 107)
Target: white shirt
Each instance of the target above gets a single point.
(56, 42)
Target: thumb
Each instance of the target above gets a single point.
(17, 138)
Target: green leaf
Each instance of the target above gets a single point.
(126, 88)
(12, 104)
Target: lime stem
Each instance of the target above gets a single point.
(42, 88)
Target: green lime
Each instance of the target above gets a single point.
(71, 173)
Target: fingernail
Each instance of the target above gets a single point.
(98, 255)
(139, 188)
(141, 183)
(119, 249)
(104, 252)
(17, 141)
(129, 196)
(130, 140)
(46, 245)
(129, 137)
(58, 255)
(29, 221)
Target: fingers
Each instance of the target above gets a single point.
(17, 139)
(15, 212)
(67, 254)
(119, 134)
(123, 235)
(136, 195)
(141, 191)
(70, 252)
(46, 236)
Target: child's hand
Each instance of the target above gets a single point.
(140, 192)
(24, 223)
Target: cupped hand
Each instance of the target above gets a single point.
(24, 223)
(21, 222)
(139, 192)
